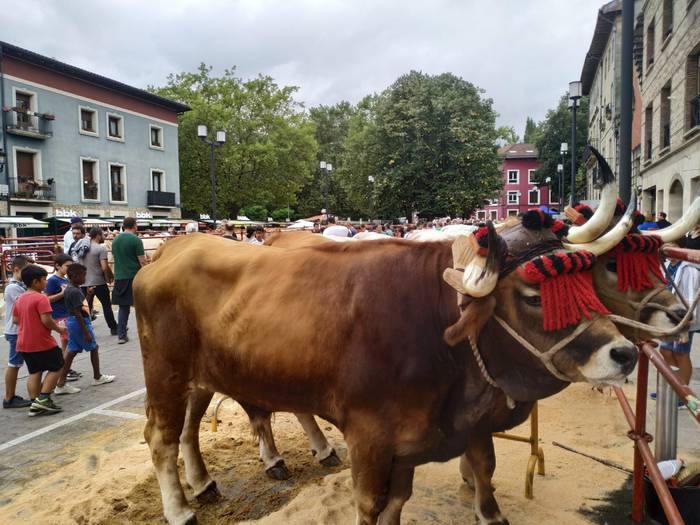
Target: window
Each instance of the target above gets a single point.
(493, 215)
(648, 121)
(481, 215)
(25, 102)
(88, 121)
(115, 127)
(512, 213)
(513, 197)
(665, 117)
(533, 196)
(667, 18)
(513, 176)
(27, 171)
(157, 180)
(156, 137)
(117, 182)
(531, 177)
(90, 179)
(651, 36)
(692, 90)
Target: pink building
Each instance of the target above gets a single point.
(519, 190)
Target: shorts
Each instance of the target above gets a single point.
(679, 348)
(62, 321)
(44, 361)
(76, 339)
(16, 360)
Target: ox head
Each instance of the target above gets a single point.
(532, 307)
(628, 275)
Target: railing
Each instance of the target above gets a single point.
(29, 123)
(666, 142)
(160, 198)
(695, 112)
(24, 187)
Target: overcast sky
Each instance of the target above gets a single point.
(522, 52)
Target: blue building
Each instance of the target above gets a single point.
(76, 143)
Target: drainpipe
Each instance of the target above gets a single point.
(4, 129)
(626, 95)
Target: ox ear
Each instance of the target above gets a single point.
(472, 319)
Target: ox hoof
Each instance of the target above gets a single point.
(278, 471)
(331, 461)
(209, 495)
(192, 520)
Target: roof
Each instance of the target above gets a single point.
(518, 151)
(601, 33)
(89, 77)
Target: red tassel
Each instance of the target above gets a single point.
(634, 270)
(567, 297)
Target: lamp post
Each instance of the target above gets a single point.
(219, 141)
(326, 167)
(370, 179)
(574, 96)
(563, 149)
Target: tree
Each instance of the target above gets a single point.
(270, 149)
(532, 131)
(555, 129)
(508, 134)
(429, 143)
(255, 212)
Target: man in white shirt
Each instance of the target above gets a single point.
(335, 230)
(687, 280)
(68, 237)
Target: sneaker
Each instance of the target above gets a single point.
(103, 379)
(113, 331)
(66, 389)
(653, 396)
(46, 404)
(73, 375)
(123, 340)
(16, 402)
(35, 412)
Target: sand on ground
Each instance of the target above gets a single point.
(111, 480)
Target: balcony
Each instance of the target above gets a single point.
(28, 123)
(695, 112)
(161, 199)
(29, 189)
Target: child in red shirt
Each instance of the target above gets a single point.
(32, 313)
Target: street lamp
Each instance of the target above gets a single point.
(574, 96)
(202, 133)
(370, 179)
(327, 167)
(563, 149)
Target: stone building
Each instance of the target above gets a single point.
(667, 49)
(75, 143)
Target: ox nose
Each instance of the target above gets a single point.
(625, 356)
(676, 315)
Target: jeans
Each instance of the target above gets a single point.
(102, 293)
(122, 321)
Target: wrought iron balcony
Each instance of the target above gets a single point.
(165, 199)
(695, 112)
(27, 188)
(28, 123)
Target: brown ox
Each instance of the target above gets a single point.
(348, 339)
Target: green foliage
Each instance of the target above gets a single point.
(429, 143)
(270, 151)
(256, 213)
(281, 214)
(508, 134)
(555, 129)
(532, 131)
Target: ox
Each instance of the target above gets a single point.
(390, 365)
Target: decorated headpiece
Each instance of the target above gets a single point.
(636, 259)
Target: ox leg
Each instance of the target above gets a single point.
(482, 458)
(320, 447)
(166, 416)
(371, 467)
(195, 470)
(262, 428)
(465, 469)
(400, 490)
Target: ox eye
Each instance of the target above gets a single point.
(532, 300)
(611, 267)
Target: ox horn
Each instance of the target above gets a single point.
(681, 227)
(611, 239)
(606, 209)
(473, 274)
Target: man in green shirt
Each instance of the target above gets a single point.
(129, 257)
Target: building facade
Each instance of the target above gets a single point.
(668, 51)
(76, 143)
(600, 81)
(520, 193)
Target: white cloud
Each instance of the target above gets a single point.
(522, 52)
